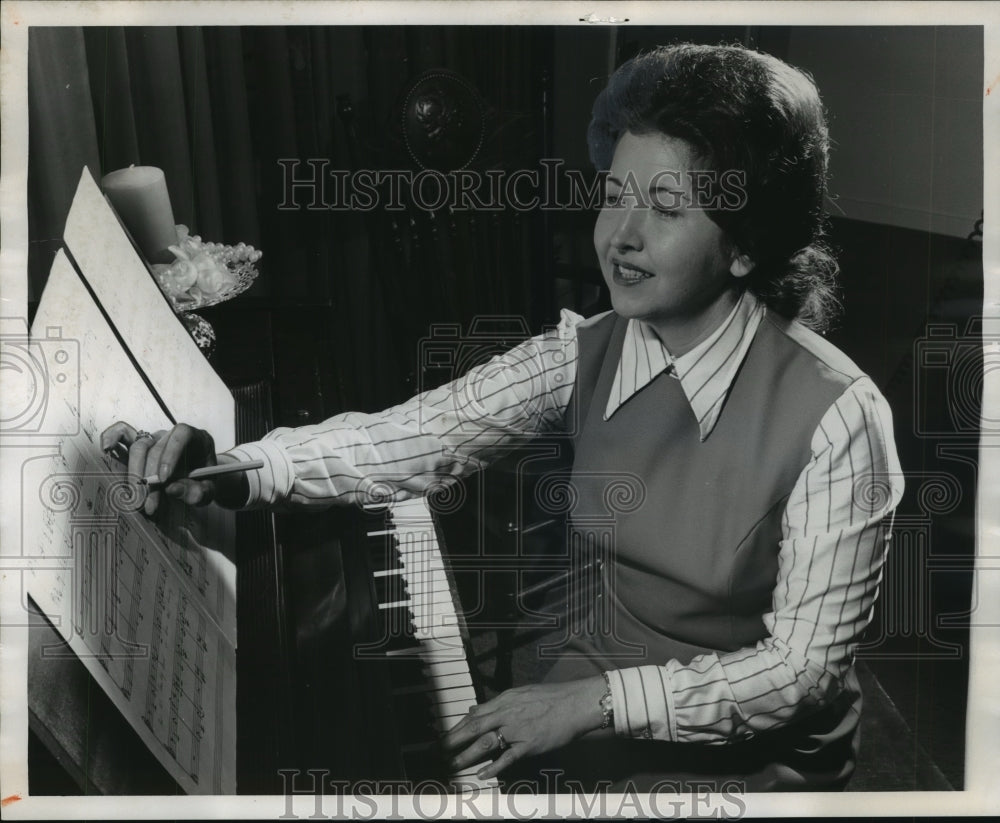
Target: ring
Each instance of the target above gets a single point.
(140, 434)
(502, 741)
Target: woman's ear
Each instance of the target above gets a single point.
(741, 266)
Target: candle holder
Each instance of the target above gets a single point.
(204, 274)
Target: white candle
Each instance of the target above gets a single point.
(139, 195)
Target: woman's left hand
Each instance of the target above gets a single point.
(530, 719)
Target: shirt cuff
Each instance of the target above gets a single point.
(273, 483)
(643, 702)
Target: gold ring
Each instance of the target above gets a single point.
(140, 434)
(502, 741)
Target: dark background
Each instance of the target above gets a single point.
(336, 319)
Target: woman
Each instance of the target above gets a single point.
(738, 590)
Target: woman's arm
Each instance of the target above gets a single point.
(447, 432)
(834, 538)
(835, 532)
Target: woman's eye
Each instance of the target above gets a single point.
(612, 199)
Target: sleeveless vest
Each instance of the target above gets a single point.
(690, 543)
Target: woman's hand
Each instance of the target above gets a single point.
(170, 455)
(530, 719)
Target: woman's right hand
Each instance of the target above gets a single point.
(170, 455)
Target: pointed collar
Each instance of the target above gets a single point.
(706, 372)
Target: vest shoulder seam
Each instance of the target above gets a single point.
(858, 374)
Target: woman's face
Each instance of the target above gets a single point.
(664, 260)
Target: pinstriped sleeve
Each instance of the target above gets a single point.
(438, 435)
(835, 533)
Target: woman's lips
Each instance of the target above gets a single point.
(626, 275)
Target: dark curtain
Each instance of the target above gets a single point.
(344, 298)
(107, 98)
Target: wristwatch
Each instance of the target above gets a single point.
(607, 705)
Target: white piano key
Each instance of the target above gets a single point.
(433, 601)
(436, 631)
(419, 574)
(419, 589)
(422, 564)
(445, 668)
(428, 626)
(447, 723)
(470, 771)
(411, 504)
(448, 700)
(433, 646)
(425, 577)
(450, 681)
(454, 644)
(442, 697)
(418, 554)
(454, 708)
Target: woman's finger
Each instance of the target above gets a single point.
(138, 447)
(191, 492)
(470, 727)
(504, 761)
(152, 460)
(184, 442)
(118, 433)
(486, 745)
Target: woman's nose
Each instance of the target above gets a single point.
(627, 233)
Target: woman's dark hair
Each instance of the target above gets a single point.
(745, 111)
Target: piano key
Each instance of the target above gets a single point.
(433, 688)
(421, 566)
(423, 685)
(450, 701)
(436, 631)
(426, 583)
(432, 612)
(388, 589)
(444, 668)
(398, 604)
(470, 771)
(392, 645)
(448, 722)
(413, 556)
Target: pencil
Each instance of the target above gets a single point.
(210, 471)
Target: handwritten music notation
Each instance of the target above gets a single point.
(138, 600)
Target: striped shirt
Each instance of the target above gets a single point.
(830, 556)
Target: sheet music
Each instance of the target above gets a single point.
(141, 314)
(143, 603)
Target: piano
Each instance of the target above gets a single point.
(420, 640)
(354, 655)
